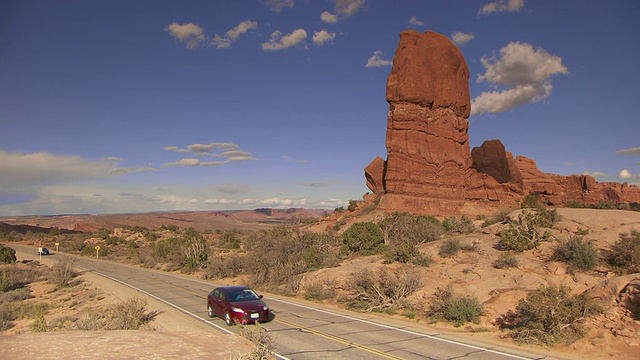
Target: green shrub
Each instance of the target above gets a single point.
(499, 217)
(506, 260)
(624, 255)
(363, 238)
(404, 227)
(578, 253)
(532, 201)
(7, 255)
(230, 239)
(549, 315)
(523, 233)
(449, 248)
(353, 205)
(457, 309)
(464, 225)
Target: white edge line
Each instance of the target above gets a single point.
(405, 331)
(179, 308)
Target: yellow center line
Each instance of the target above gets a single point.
(340, 340)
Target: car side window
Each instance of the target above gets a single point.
(217, 293)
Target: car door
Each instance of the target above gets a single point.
(218, 303)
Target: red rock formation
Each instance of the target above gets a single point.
(374, 173)
(429, 167)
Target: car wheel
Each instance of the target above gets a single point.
(227, 318)
(210, 311)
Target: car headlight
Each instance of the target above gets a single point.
(265, 308)
(235, 309)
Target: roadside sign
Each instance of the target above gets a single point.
(97, 250)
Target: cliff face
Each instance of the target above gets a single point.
(430, 168)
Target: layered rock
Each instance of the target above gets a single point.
(430, 168)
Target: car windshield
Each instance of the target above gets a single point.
(242, 295)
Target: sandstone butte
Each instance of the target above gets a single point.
(429, 167)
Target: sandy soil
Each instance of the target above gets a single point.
(173, 335)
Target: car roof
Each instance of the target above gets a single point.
(234, 287)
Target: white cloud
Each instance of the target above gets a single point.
(242, 28)
(596, 174)
(626, 174)
(190, 33)
(279, 42)
(630, 151)
(502, 6)
(460, 38)
(278, 5)
(348, 7)
(376, 60)
(525, 71)
(25, 173)
(323, 36)
(415, 22)
(193, 35)
(231, 152)
(343, 9)
(329, 17)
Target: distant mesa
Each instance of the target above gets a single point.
(430, 168)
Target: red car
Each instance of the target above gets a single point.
(237, 304)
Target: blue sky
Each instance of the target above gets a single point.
(149, 105)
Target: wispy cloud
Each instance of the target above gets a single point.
(24, 173)
(629, 151)
(377, 61)
(278, 5)
(231, 152)
(460, 38)
(525, 71)
(193, 35)
(596, 174)
(501, 6)
(280, 42)
(415, 22)
(342, 10)
(290, 159)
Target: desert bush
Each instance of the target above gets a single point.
(404, 227)
(353, 205)
(7, 255)
(464, 225)
(532, 200)
(449, 247)
(90, 320)
(196, 252)
(14, 277)
(406, 252)
(274, 256)
(62, 272)
(384, 289)
(220, 266)
(624, 255)
(39, 324)
(549, 315)
(506, 260)
(320, 290)
(577, 253)
(130, 315)
(321, 250)
(500, 216)
(363, 238)
(260, 337)
(523, 233)
(230, 239)
(457, 309)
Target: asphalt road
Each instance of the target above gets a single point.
(302, 330)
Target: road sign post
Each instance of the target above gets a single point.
(97, 250)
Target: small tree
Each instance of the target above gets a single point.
(364, 238)
(7, 255)
(578, 253)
